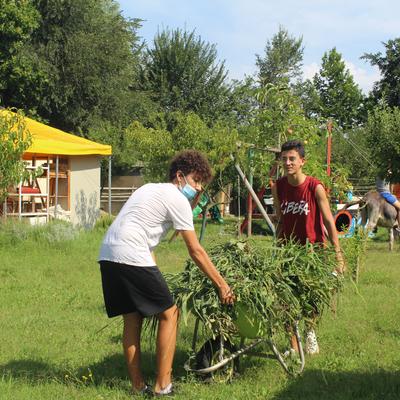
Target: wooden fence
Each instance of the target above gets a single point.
(119, 196)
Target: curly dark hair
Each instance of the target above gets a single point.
(190, 161)
(294, 145)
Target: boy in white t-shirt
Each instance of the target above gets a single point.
(133, 286)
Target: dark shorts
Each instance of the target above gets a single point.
(129, 289)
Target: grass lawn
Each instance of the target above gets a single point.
(57, 343)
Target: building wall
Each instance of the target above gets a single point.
(85, 189)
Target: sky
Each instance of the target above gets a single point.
(241, 29)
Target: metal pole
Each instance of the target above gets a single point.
(56, 194)
(48, 190)
(203, 223)
(255, 198)
(20, 201)
(329, 151)
(109, 185)
(329, 148)
(249, 199)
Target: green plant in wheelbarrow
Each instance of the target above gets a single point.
(275, 286)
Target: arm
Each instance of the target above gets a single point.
(278, 212)
(329, 223)
(202, 260)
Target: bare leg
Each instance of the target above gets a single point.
(397, 205)
(293, 339)
(131, 345)
(391, 239)
(166, 341)
(293, 343)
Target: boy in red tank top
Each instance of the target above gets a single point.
(303, 211)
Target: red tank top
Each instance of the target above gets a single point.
(302, 218)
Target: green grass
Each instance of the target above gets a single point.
(57, 343)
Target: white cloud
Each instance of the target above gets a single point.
(310, 70)
(240, 29)
(364, 78)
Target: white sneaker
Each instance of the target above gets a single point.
(168, 390)
(311, 343)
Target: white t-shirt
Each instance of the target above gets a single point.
(143, 221)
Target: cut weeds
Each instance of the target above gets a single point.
(275, 286)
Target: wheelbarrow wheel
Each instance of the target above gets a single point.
(210, 354)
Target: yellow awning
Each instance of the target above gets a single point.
(48, 140)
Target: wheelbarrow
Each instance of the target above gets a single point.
(218, 358)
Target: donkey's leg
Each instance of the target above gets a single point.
(391, 238)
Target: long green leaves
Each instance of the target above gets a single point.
(277, 284)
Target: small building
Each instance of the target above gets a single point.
(66, 179)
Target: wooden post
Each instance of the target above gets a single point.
(221, 201)
(249, 211)
(255, 198)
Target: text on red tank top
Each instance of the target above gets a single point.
(302, 218)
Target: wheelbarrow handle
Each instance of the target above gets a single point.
(301, 352)
(224, 361)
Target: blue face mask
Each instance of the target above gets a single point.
(188, 191)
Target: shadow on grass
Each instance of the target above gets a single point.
(27, 370)
(311, 385)
(110, 372)
(260, 227)
(327, 385)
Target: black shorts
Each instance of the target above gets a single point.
(129, 289)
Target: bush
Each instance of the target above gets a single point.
(55, 232)
(103, 223)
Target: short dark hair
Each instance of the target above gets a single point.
(294, 145)
(189, 161)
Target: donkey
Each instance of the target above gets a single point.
(376, 211)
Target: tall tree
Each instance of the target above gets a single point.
(87, 56)
(383, 137)
(352, 151)
(20, 70)
(182, 72)
(177, 131)
(280, 118)
(339, 97)
(282, 59)
(91, 52)
(388, 87)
